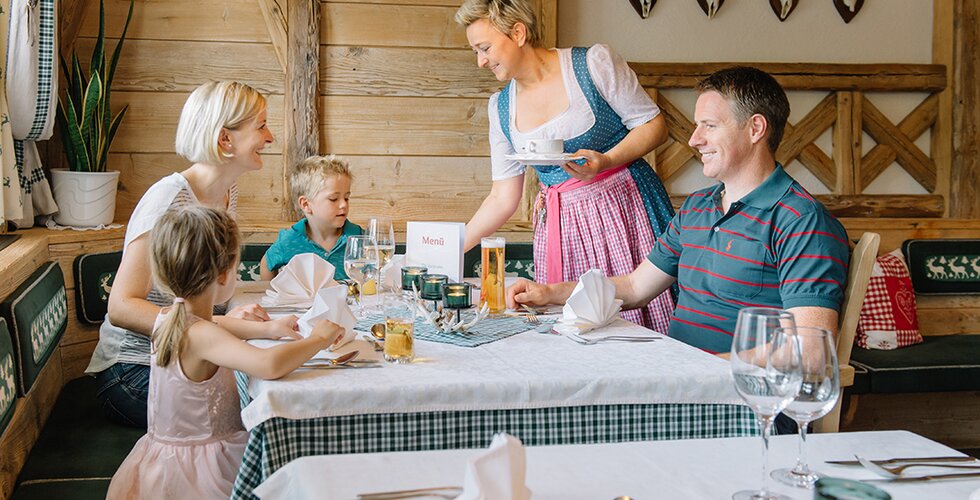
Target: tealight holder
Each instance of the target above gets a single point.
(456, 296)
(412, 275)
(432, 286)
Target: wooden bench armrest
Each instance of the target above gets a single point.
(846, 376)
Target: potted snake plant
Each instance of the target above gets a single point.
(85, 191)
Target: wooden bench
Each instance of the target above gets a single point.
(931, 388)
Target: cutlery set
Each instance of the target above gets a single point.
(435, 492)
(891, 470)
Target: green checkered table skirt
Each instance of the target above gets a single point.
(277, 441)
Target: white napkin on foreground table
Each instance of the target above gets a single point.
(498, 473)
(330, 304)
(592, 304)
(299, 280)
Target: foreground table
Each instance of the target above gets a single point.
(544, 389)
(695, 469)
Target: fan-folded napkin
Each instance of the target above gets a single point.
(498, 472)
(330, 304)
(299, 280)
(592, 304)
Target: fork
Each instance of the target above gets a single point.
(531, 317)
(611, 338)
(438, 492)
(896, 471)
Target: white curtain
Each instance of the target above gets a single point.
(10, 199)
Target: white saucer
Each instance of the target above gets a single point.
(543, 159)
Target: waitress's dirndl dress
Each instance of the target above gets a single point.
(609, 224)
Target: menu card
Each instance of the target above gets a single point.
(437, 246)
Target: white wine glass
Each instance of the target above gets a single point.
(765, 362)
(382, 232)
(818, 395)
(361, 262)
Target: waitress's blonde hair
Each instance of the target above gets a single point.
(210, 108)
(189, 249)
(503, 15)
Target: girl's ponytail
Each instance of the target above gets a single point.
(169, 336)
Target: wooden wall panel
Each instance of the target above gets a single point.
(154, 65)
(395, 71)
(399, 25)
(404, 126)
(204, 20)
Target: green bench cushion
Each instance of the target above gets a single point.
(8, 384)
(37, 314)
(939, 364)
(94, 274)
(518, 261)
(248, 266)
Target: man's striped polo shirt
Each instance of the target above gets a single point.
(776, 247)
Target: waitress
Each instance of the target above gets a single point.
(604, 212)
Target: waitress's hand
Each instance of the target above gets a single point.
(595, 162)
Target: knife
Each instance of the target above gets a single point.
(923, 478)
(906, 459)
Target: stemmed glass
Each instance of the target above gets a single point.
(818, 395)
(361, 262)
(383, 233)
(766, 368)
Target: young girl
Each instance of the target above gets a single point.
(195, 439)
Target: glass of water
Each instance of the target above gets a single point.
(765, 362)
(361, 262)
(818, 395)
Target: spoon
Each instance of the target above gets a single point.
(378, 330)
(341, 360)
(378, 346)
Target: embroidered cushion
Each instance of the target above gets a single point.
(944, 266)
(248, 266)
(518, 261)
(37, 314)
(888, 318)
(94, 274)
(8, 386)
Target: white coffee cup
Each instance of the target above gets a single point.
(545, 146)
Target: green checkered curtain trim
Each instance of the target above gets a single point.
(45, 71)
(277, 441)
(486, 331)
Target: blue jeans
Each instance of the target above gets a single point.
(122, 392)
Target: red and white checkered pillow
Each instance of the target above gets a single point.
(888, 319)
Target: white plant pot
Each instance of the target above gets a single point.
(84, 198)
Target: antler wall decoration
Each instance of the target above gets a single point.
(710, 7)
(643, 7)
(783, 8)
(848, 8)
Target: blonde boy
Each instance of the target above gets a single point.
(321, 189)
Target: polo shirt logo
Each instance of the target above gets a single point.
(728, 247)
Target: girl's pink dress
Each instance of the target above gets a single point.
(194, 442)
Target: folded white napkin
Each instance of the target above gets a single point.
(299, 280)
(498, 472)
(393, 273)
(975, 495)
(592, 304)
(330, 304)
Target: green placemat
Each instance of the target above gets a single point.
(486, 331)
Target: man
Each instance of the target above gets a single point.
(755, 239)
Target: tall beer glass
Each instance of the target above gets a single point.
(492, 277)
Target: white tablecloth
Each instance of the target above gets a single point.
(528, 370)
(687, 469)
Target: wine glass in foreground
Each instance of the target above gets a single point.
(360, 262)
(766, 368)
(818, 395)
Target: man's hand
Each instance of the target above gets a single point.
(527, 292)
(249, 312)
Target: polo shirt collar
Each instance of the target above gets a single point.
(767, 194)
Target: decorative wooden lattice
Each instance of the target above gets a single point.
(847, 111)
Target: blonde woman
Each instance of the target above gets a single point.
(604, 212)
(196, 439)
(222, 130)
